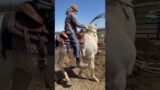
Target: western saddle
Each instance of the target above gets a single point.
(28, 24)
(63, 38)
(28, 21)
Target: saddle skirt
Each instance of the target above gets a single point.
(63, 38)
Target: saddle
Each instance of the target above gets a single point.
(28, 20)
(25, 28)
(31, 12)
(65, 39)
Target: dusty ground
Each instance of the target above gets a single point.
(148, 51)
(85, 82)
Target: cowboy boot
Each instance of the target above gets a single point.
(80, 64)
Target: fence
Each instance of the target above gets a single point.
(100, 35)
(146, 26)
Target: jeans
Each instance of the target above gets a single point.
(75, 45)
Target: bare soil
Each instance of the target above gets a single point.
(148, 51)
(85, 82)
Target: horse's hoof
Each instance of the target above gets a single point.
(56, 84)
(66, 77)
(96, 79)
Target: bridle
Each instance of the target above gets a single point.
(88, 31)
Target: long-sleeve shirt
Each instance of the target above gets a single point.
(71, 22)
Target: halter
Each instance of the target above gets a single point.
(89, 31)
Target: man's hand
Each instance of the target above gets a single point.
(85, 27)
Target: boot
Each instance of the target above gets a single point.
(80, 64)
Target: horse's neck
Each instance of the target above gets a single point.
(90, 36)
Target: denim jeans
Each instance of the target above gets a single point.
(75, 45)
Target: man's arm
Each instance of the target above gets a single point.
(75, 21)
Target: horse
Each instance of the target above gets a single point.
(119, 39)
(88, 52)
(18, 66)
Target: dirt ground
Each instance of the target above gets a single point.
(85, 82)
(148, 51)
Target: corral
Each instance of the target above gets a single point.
(146, 71)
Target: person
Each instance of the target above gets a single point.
(71, 24)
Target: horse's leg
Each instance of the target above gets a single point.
(91, 65)
(82, 69)
(21, 80)
(60, 62)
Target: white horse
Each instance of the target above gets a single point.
(89, 51)
(17, 70)
(120, 36)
